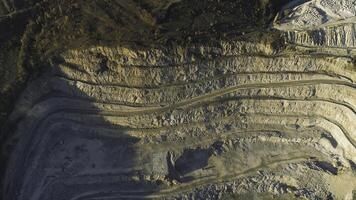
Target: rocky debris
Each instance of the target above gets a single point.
(327, 25)
(315, 14)
(269, 117)
(277, 116)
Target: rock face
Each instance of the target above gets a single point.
(326, 25)
(232, 119)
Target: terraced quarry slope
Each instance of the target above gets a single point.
(232, 119)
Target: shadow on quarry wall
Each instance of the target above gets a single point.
(34, 37)
(77, 161)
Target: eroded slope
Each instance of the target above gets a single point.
(225, 119)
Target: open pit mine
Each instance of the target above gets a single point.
(178, 99)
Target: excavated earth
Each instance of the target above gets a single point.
(180, 106)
